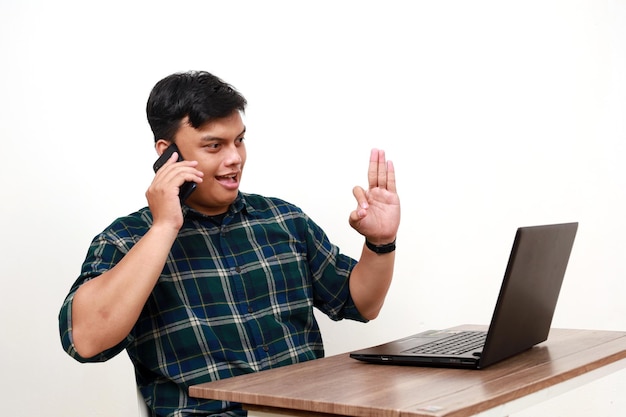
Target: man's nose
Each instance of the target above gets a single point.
(233, 156)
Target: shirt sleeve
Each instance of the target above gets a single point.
(331, 276)
(67, 340)
(105, 251)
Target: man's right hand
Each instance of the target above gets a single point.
(163, 193)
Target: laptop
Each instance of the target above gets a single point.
(521, 319)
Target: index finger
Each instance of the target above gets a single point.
(377, 174)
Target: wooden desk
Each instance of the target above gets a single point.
(341, 386)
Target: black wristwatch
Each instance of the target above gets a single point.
(381, 249)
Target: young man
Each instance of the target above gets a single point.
(224, 283)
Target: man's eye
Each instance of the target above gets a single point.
(240, 140)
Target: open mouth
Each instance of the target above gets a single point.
(227, 179)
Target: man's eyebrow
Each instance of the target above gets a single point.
(209, 138)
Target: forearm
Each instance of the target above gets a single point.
(106, 308)
(370, 281)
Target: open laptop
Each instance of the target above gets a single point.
(522, 316)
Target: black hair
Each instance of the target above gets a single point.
(199, 95)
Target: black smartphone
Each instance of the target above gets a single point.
(187, 188)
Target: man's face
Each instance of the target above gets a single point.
(221, 154)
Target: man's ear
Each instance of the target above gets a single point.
(161, 145)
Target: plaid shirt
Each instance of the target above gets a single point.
(233, 298)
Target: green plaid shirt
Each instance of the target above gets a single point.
(233, 298)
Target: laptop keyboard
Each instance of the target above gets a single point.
(456, 344)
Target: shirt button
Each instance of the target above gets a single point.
(238, 269)
(250, 309)
(266, 348)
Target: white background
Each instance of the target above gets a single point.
(496, 115)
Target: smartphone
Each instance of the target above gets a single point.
(187, 188)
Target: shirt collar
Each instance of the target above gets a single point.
(239, 205)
